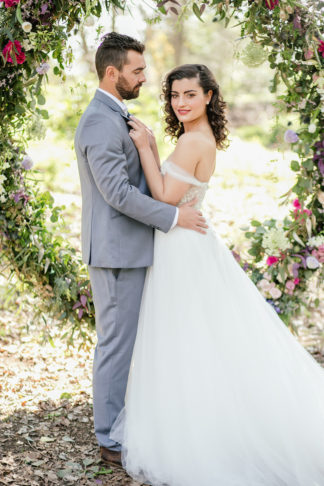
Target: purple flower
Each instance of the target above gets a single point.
(291, 136)
(297, 22)
(27, 162)
(273, 304)
(319, 156)
(43, 68)
(321, 167)
(44, 8)
(20, 194)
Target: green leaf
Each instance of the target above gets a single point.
(50, 340)
(87, 461)
(294, 165)
(41, 99)
(61, 473)
(253, 251)
(196, 11)
(282, 273)
(65, 395)
(18, 14)
(44, 114)
(56, 71)
(255, 223)
(20, 109)
(308, 164)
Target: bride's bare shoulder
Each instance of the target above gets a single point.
(189, 138)
(197, 140)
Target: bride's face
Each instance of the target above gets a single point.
(188, 99)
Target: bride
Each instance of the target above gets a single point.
(220, 393)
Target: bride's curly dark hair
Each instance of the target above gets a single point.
(215, 108)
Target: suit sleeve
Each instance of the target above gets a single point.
(108, 165)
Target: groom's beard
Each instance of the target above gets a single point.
(124, 89)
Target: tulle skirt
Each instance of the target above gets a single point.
(220, 392)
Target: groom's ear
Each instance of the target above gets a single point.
(111, 73)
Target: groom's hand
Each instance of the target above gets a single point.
(191, 218)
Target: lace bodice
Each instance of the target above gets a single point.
(197, 190)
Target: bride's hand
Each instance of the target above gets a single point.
(141, 135)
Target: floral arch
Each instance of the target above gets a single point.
(285, 255)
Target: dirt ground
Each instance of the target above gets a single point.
(46, 428)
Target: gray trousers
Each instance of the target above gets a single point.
(117, 297)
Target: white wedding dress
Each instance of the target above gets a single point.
(220, 393)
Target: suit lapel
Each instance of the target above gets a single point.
(115, 107)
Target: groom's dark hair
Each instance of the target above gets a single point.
(113, 51)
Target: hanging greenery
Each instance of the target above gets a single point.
(285, 255)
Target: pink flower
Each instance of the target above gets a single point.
(270, 4)
(275, 293)
(307, 211)
(296, 281)
(297, 204)
(308, 54)
(321, 47)
(290, 287)
(271, 260)
(10, 3)
(13, 50)
(319, 254)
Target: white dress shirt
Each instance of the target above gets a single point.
(125, 110)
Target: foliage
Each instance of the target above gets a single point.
(39, 257)
(286, 32)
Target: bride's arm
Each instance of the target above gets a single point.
(186, 155)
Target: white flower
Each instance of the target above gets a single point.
(312, 262)
(26, 26)
(280, 279)
(264, 285)
(283, 15)
(3, 198)
(27, 162)
(5, 166)
(27, 45)
(275, 293)
(274, 241)
(316, 241)
(312, 128)
(302, 104)
(1, 189)
(279, 224)
(2, 178)
(89, 21)
(43, 68)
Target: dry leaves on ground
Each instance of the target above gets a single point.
(46, 427)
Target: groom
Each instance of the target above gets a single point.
(118, 217)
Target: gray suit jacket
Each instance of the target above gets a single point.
(118, 214)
